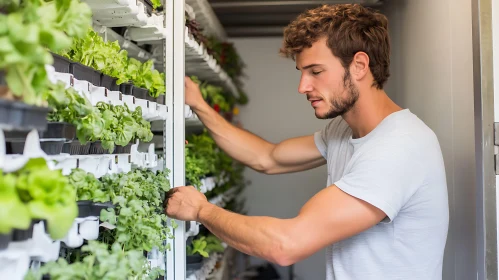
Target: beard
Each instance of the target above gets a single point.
(339, 105)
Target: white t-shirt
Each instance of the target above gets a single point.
(398, 167)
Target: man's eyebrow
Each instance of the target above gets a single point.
(309, 66)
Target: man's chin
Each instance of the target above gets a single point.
(325, 116)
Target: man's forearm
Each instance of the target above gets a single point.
(263, 237)
(239, 144)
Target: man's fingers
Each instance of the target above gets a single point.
(168, 195)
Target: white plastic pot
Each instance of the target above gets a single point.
(66, 78)
(143, 104)
(43, 248)
(89, 164)
(129, 100)
(98, 94)
(115, 97)
(72, 238)
(14, 264)
(89, 228)
(124, 164)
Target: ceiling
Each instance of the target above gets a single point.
(251, 18)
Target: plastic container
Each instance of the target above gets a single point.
(161, 99)
(141, 93)
(123, 149)
(76, 148)
(97, 149)
(87, 208)
(109, 82)
(19, 235)
(126, 88)
(22, 117)
(194, 262)
(35, 117)
(59, 130)
(85, 73)
(61, 64)
(5, 239)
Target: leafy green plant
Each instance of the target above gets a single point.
(108, 58)
(139, 216)
(215, 95)
(205, 245)
(112, 125)
(47, 195)
(100, 262)
(13, 212)
(87, 186)
(28, 32)
(194, 168)
(156, 3)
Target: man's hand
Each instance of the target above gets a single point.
(184, 203)
(193, 96)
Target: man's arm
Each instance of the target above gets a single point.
(328, 217)
(291, 155)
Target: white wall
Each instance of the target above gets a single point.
(432, 75)
(276, 112)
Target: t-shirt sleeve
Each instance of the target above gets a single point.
(320, 142)
(325, 135)
(385, 176)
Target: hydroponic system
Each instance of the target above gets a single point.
(94, 131)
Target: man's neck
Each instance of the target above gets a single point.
(369, 111)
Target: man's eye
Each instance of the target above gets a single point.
(316, 72)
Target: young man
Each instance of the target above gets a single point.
(384, 214)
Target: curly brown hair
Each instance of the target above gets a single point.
(349, 28)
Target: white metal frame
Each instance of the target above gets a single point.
(175, 125)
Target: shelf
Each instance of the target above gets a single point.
(133, 50)
(199, 63)
(207, 18)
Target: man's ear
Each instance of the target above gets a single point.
(359, 66)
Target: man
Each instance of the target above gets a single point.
(384, 214)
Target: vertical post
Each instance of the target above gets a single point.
(178, 59)
(484, 140)
(168, 125)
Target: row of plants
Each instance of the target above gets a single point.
(110, 124)
(136, 223)
(226, 56)
(108, 58)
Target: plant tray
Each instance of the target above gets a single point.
(141, 93)
(123, 149)
(19, 235)
(22, 117)
(194, 262)
(5, 240)
(126, 89)
(88, 208)
(61, 64)
(97, 149)
(161, 99)
(85, 73)
(109, 82)
(76, 148)
(59, 130)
